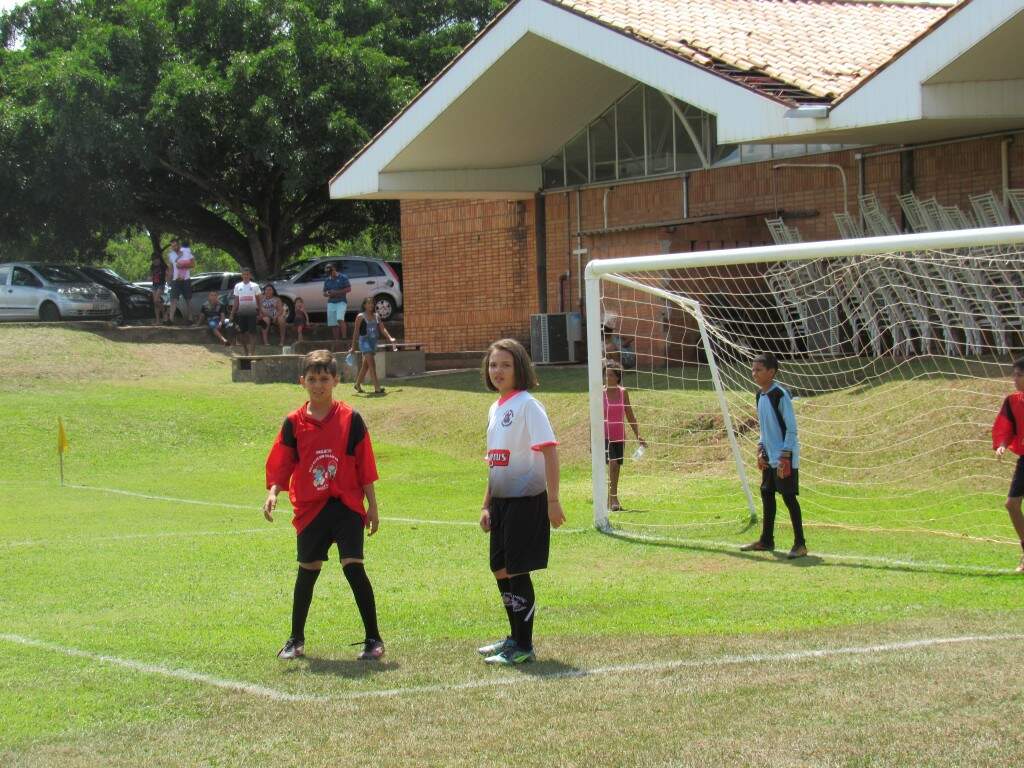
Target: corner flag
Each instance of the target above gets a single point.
(62, 437)
(62, 445)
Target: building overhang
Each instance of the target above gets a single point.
(540, 73)
(963, 78)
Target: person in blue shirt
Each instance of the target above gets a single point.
(336, 289)
(778, 456)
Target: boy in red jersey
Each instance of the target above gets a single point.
(1008, 432)
(324, 458)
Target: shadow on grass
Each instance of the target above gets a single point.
(779, 559)
(351, 669)
(748, 523)
(552, 379)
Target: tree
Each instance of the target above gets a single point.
(220, 120)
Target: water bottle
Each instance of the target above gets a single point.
(639, 452)
(350, 359)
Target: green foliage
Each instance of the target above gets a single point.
(216, 120)
(130, 257)
(379, 242)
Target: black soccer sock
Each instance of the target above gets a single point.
(768, 524)
(301, 599)
(793, 505)
(523, 606)
(505, 588)
(363, 592)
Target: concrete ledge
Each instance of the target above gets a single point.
(444, 361)
(308, 345)
(266, 369)
(276, 369)
(404, 362)
(74, 325)
(286, 369)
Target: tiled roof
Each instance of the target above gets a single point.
(797, 51)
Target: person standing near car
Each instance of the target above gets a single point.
(181, 283)
(336, 289)
(244, 311)
(158, 277)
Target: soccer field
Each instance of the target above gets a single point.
(143, 603)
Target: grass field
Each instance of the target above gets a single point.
(142, 604)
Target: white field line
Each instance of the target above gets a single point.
(131, 536)
(680, 664)
(670, 665)
(161, 670)
(409, 520)
(717, 546)
(189, 534)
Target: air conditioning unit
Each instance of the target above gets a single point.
(553, 337)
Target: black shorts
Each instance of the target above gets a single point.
(1017, 484)
(772, 483)
(520, 533)
(181, 288)
(614, 450)
(335, 523)
(245, 323)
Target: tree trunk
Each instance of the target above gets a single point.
(262, 265)
(154, 239)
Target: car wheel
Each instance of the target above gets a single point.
(49, 313)
(289, 309)
(119, 315)
(384, 306)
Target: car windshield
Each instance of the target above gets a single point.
(291, 270)
(114, 277)
(106, 277)
(60, 273)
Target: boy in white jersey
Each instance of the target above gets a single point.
(521, 504)
(244, 310)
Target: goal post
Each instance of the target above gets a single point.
(838, 327)
(597, 436)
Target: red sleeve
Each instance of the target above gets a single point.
(283, 457)
(1004, 429)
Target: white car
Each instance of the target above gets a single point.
(49, 292)
(369, 278)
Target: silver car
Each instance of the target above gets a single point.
(369, 277)
(37, 291)
(202, 283)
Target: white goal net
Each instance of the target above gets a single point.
(897, 351)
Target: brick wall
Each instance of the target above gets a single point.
(469, 272)
(470, 266)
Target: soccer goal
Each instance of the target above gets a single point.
(896, 349)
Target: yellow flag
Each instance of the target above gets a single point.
(62, 437)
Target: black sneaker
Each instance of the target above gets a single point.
(372, 650)
(292, 649)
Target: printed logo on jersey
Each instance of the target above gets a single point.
(498, 457)
(506, 419)
(324, 468)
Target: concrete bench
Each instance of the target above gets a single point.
(266, 369)
(409, 360)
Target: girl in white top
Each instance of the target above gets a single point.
(521, 503)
